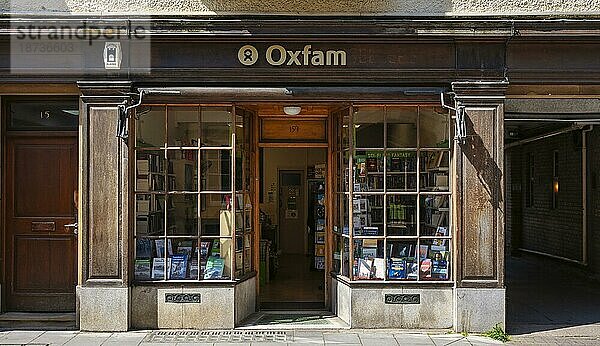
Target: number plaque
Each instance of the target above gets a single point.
(293, 130)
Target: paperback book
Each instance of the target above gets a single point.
(143, 248)
(143, 270)
(158, 267)
(178, 267)
(214, 268)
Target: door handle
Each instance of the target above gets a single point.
(74, 226)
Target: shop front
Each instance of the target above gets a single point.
(324, 194)
(355, 172)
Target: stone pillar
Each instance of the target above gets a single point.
(103, 293)
(479, 207)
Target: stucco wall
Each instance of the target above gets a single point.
(399, 7)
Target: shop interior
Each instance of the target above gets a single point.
(292, 215)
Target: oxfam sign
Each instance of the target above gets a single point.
(277, 55)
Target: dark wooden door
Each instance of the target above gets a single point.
(41, 253)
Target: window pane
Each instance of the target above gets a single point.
(241, 170)
(401, 215)
(346, 257)
(345, 215)
(402, 260)
(216, 219)
(434, 255)
(144, 253)
(182, 129)
(182, 214)
(345, 170)
(433, 127)
(435, 170)
(401, 127)
(150, 215)
(184, 260)
(216, 126)
(150, 171)
(435, 215)
(345, 144)
(368, 127)
(215, 259)
(368, 171)
(337, 253)
(183, 170)
(367, 215)
(401, 171)
(150, 127)
(368, 259)
(216, 170)
(44, 115)
(240, 129)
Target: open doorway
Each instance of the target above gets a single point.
(293, 228)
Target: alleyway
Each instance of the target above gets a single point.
(547, 298)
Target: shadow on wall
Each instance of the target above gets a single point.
(404, 7)
(488, 172)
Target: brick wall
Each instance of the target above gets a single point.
(594, 200)
(540, 227)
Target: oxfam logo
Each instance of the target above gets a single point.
(248, 55)
(277, 55)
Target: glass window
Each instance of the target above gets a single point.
(397, 165)
(190, 224)
(401, 125)
(183, 126)
(150, 127)
(43, 115)
(434, 127)
(216, 126)
(368, 127)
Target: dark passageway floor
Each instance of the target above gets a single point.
(545, 294)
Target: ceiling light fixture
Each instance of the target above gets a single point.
(292, 110)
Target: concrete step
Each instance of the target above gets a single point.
(37, 320)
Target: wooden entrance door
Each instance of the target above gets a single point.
(41, 253)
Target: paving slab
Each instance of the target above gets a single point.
(341, 338)
(413, 339)
(20, 337)
(54, 337)
(447, 339)
(308, 337)
(125, 339)
(89, 339)
(482, 340)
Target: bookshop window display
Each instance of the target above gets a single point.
(393, 166)
(193, 215)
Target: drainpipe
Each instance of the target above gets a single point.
(584, 199)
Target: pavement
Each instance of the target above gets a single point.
(241, 337)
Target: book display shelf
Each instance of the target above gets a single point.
(394, 200)
(193, 215)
